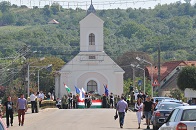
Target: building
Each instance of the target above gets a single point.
(53, 21)
(168, 75)
(92, 68)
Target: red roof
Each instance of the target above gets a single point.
(53, 22)
(190, 63)
(167, 68)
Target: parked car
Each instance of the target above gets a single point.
(160, 98)
(181, 118)
(172, 100)
(163, 111)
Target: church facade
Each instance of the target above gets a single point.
(92, 68)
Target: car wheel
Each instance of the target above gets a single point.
(155, 127)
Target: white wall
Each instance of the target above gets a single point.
(78, 72)
(189, 93)
(91, 24)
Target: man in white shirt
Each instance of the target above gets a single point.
(32, 99)
(42, 95)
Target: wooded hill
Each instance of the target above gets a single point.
(172, 26)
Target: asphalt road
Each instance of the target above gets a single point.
(76, 119)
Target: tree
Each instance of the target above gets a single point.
(130, 58)
(5, 6)
(47, 78)
(177, 94)
(128, 29)
(55, 8)
(187, 78)
(188, 1)
(8, 18)
(47, 11)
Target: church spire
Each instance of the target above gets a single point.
(91, 9)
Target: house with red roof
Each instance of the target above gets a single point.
(168, 75)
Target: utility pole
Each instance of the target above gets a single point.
(159, 66)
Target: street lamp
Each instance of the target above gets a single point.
(144, 76)
(45, 67)
(139, 59)
(133, 67)
(28, 79)
(137, 66)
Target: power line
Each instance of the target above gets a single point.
(100, 4)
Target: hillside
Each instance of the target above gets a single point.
(172, 26)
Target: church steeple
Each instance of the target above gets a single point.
(91, 9)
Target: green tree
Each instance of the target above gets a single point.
(126, 86)
(55, 8)
(187, 78)
(46, 77)
(47, 11)
(8, 18)
(177, 94)
(5, 6)
(128, 29)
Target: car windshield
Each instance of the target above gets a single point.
(189, 115)
(169, 100)
(168, 106)
(161, 98)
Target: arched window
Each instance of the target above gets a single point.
(91, 39)
(92, 86)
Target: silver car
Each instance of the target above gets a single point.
(161, 114)
(181, 118)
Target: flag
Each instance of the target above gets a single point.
(67, 88)
(83, 93)
(106, 90)
(81, 97)
(77, 90)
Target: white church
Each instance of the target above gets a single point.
(92, 68)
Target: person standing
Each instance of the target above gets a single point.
(70, 101)
(8, 106)
(112, 100)
(58, 103)
(148, 110)
(122, 107)
(104, 101)
(22, 107)
(74, 101)
(36, 103)
(85, 99)
(128, 100)
(33, 103)
(155, 104)
(138, 108)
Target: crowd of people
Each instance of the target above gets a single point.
(20, 107)
(70, 101)
(143, 106)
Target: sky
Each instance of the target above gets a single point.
(98, 4)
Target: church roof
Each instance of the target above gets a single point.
(91, 9)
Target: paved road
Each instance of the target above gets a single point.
(76, 119)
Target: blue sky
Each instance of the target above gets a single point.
(98, 4)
